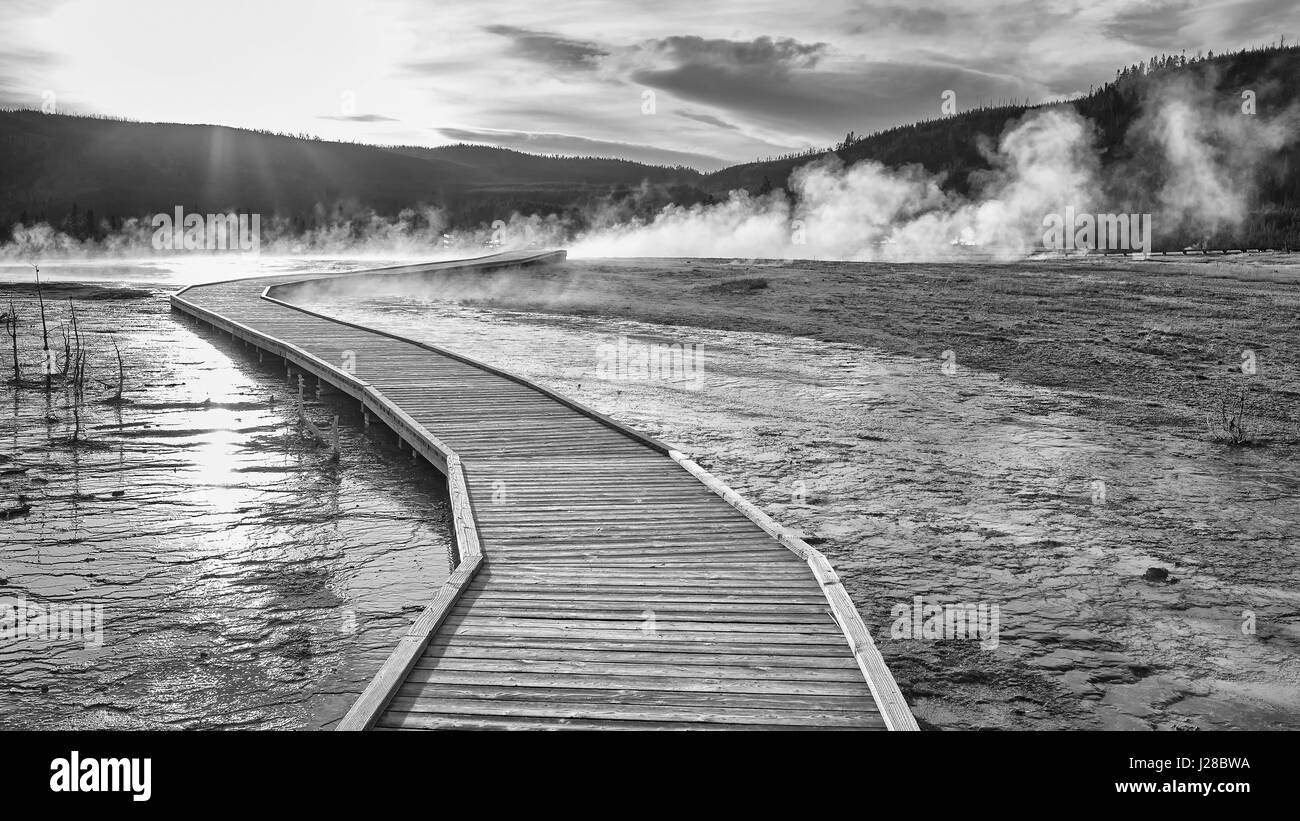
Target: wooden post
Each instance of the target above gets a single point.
(335, 448)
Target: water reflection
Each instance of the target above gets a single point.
(180, 271)
(247, 581)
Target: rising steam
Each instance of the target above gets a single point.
(1191, 165)
(1189, 161)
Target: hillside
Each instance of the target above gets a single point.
(78, 172)
(952, 145)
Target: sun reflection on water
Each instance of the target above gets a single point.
(180, 271)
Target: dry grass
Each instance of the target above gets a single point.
(1229, 427)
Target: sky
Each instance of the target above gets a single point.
(704, 84)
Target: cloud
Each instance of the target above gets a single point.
(860, 97)
(771, 78)
(21, 75)
(774, 78)
(707, 119)
(558, 52)
(912, 19)
(359, 118)
(762, 54)
(441, 66)
(1250, 21)
(1157, 25)
(798, 93)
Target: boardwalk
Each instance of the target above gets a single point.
(604, 580)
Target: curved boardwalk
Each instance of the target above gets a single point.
(604, 580)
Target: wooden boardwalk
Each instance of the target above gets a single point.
(604, 580)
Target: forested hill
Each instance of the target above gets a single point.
(84, 175)
(951, 145)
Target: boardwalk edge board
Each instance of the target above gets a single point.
(893, 707)
(384, 686)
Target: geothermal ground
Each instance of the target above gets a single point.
(1045, 466)
(1064, 471)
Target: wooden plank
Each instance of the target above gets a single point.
(423, 721)
(675, 571)
(650, 666)
(662, 644)
(700, 610)
(641, 712)
(501, 592)
(758, 656)
(861, 704)
(640, 681)
(757, 632)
